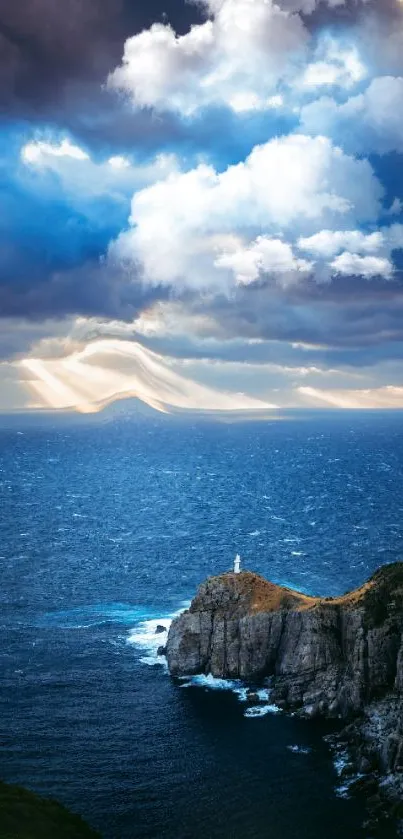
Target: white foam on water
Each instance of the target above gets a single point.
(146, 639)
(261, 710)
(210, 682)
(341, 763)
(343, 791)
(242, 691)
(299, 750)
(340, 760)
(263, 694)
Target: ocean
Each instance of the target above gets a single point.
(108, 525)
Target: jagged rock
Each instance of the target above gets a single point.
(330, 655)
(338, 656)
(160, 628)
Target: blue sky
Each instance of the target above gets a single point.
(201, 205)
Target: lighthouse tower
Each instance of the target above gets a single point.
(237, 564)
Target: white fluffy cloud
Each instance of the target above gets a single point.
(82, 177)
(202, 228)
(370, 121)
(333, 65)
(355, 253)
(235, 58)
(349, 264)
(41, 153)
(328, 243)
(263, 256)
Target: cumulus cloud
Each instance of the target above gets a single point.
(236, 58)
(356, 253)
(328, 243)
(362, 266)
(333, 66)
(204, 228)
(263, 256)
(369, 121)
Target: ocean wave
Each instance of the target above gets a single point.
(299, 750)
(261, 710)
(148, 636)
(82, 617)
(344, 769)
(145, 637)
(244, 693)
(210, 682)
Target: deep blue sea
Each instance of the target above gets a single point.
(107, 527)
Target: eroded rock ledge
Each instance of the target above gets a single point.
(340, 657)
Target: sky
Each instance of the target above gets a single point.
(201, 204)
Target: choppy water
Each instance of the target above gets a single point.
(106, 530)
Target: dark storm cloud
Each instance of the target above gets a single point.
(45, 45)
(92, 289)
(352, 318)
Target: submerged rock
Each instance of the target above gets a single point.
(338, 656)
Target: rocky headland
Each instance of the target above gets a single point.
(336, 657)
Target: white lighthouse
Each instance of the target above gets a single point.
(237, 564)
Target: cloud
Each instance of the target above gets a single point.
(59, 209)
(355, 253)
(369, 121)
(48, 49)
(235, 58)
(245, 240)
(334, 65)
(385, 397)
(204, 229)
(351, 264)
(359, 323)
(108, 370)
(263, 256)
(84, 179)
(328, 243)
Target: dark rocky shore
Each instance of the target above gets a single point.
(334, 657)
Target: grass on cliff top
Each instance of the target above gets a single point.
(24, 815)
(247, 592)
(381, 596)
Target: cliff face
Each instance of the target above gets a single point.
(324, 656)
(329, 656)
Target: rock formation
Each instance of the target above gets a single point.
(339, 657)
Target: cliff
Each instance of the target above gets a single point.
(339, 657)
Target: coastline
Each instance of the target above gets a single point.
(339, 658)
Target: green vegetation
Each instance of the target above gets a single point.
(24, 815)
